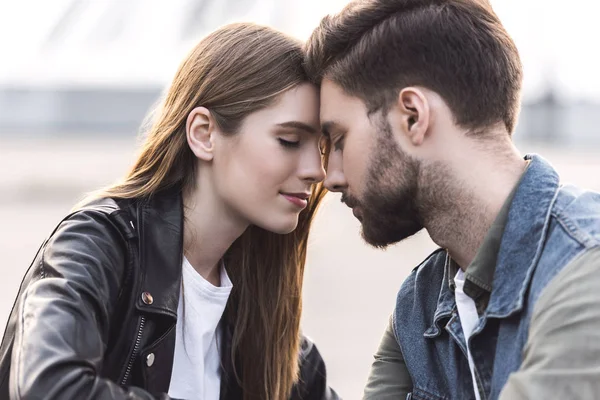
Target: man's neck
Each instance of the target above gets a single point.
(474, 198)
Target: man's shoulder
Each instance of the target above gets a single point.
(431, 262)
(577, 211)
(573, 232)
(425, 275)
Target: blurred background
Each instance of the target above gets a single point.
(77, 78)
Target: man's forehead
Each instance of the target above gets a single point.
(338, 108)
(331, 89)
(335, 99)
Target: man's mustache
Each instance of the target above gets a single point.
(349, 200)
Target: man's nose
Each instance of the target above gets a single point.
(335, 181)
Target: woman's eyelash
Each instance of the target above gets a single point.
(289, 143)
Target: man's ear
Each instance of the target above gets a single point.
(414, 112)
(200, 131)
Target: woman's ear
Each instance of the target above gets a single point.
(414, 111)
(200, 131)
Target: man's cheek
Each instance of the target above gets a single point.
(355, 168)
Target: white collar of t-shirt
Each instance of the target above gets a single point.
(196, 365)
(467, 311)
(199, 286)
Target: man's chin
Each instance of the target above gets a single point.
(375, 242)
(357, 214)
(381, 238)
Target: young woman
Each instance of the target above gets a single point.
(185, 279)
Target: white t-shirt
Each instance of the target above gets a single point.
(467, 311)
(196, 364)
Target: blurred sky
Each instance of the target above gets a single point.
(139, 42)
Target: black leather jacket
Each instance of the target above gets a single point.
(96, 312)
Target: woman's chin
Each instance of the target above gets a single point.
(280, 227)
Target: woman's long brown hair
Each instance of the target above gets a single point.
(233, 72)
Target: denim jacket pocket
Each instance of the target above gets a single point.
(418, 394)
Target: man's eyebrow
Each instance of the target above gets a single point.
(298, 125)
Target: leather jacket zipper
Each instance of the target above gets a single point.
(136, 348)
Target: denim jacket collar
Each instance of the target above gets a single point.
(446, 301)
(524, 237)
(522, 244)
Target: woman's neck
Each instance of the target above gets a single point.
(209, 230)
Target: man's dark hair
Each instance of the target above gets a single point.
(457, 48)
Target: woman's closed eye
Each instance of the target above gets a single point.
(288, 143)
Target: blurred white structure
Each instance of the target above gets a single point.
(127, 43)
(96, 66)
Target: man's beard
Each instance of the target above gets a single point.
(388, 209)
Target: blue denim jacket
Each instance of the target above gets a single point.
(548, 226)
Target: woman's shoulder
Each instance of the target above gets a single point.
(105, 205)
(99, 223)
(313, 375)
(107, 211)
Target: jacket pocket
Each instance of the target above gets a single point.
(418, 394)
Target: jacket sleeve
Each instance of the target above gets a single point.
(313, 377)
(64, 316)
(561, 358)
(389, 378)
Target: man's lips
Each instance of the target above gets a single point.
(348, 201)
(357, 213)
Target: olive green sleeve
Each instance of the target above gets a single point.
(389, 378)
(561, 358)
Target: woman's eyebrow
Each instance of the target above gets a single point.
(298, 125)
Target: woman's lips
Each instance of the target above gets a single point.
(299, 200)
